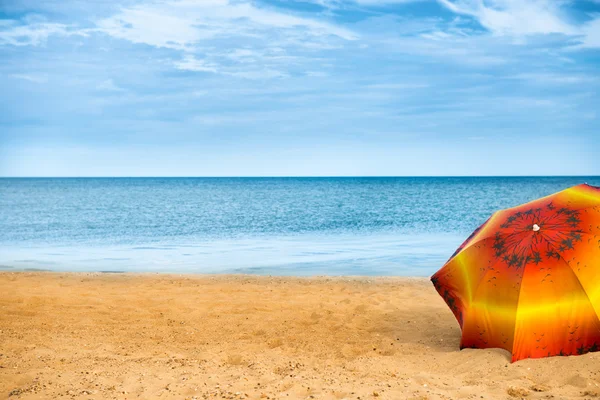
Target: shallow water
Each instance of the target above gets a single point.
(283, 226)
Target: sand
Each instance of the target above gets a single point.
(122, 336)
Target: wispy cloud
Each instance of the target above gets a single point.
(520, 18)
(259, 74)
(591, 34)
(33, 34)
(183, 24)
(234, 38)
(546, 78)
(109, 85)
(191, 63)
(514, 17)
(254, 71)
(31, 78)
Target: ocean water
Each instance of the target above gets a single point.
(278, 226)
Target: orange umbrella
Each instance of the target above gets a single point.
(528, 279)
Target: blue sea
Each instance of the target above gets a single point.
(277, 226)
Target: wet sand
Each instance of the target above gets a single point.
(124, 336)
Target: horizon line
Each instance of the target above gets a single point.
(293, 176)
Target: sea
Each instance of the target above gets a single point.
(375, 226)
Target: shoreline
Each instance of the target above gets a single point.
(200, 275)
(154, 335)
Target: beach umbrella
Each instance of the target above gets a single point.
(528, 279)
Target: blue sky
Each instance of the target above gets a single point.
(307, 87)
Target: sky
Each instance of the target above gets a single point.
(299, 87)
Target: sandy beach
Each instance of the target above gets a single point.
(123, 336)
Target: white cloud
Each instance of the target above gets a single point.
(256, 72)
(515, 17)
(234, 38)
(519, 18)
(33, 34)
(185, 23)
(591, 32)
(154, 28)
(191, 63)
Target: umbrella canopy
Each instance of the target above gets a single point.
(528, 279)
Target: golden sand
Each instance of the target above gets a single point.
(99, 336)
